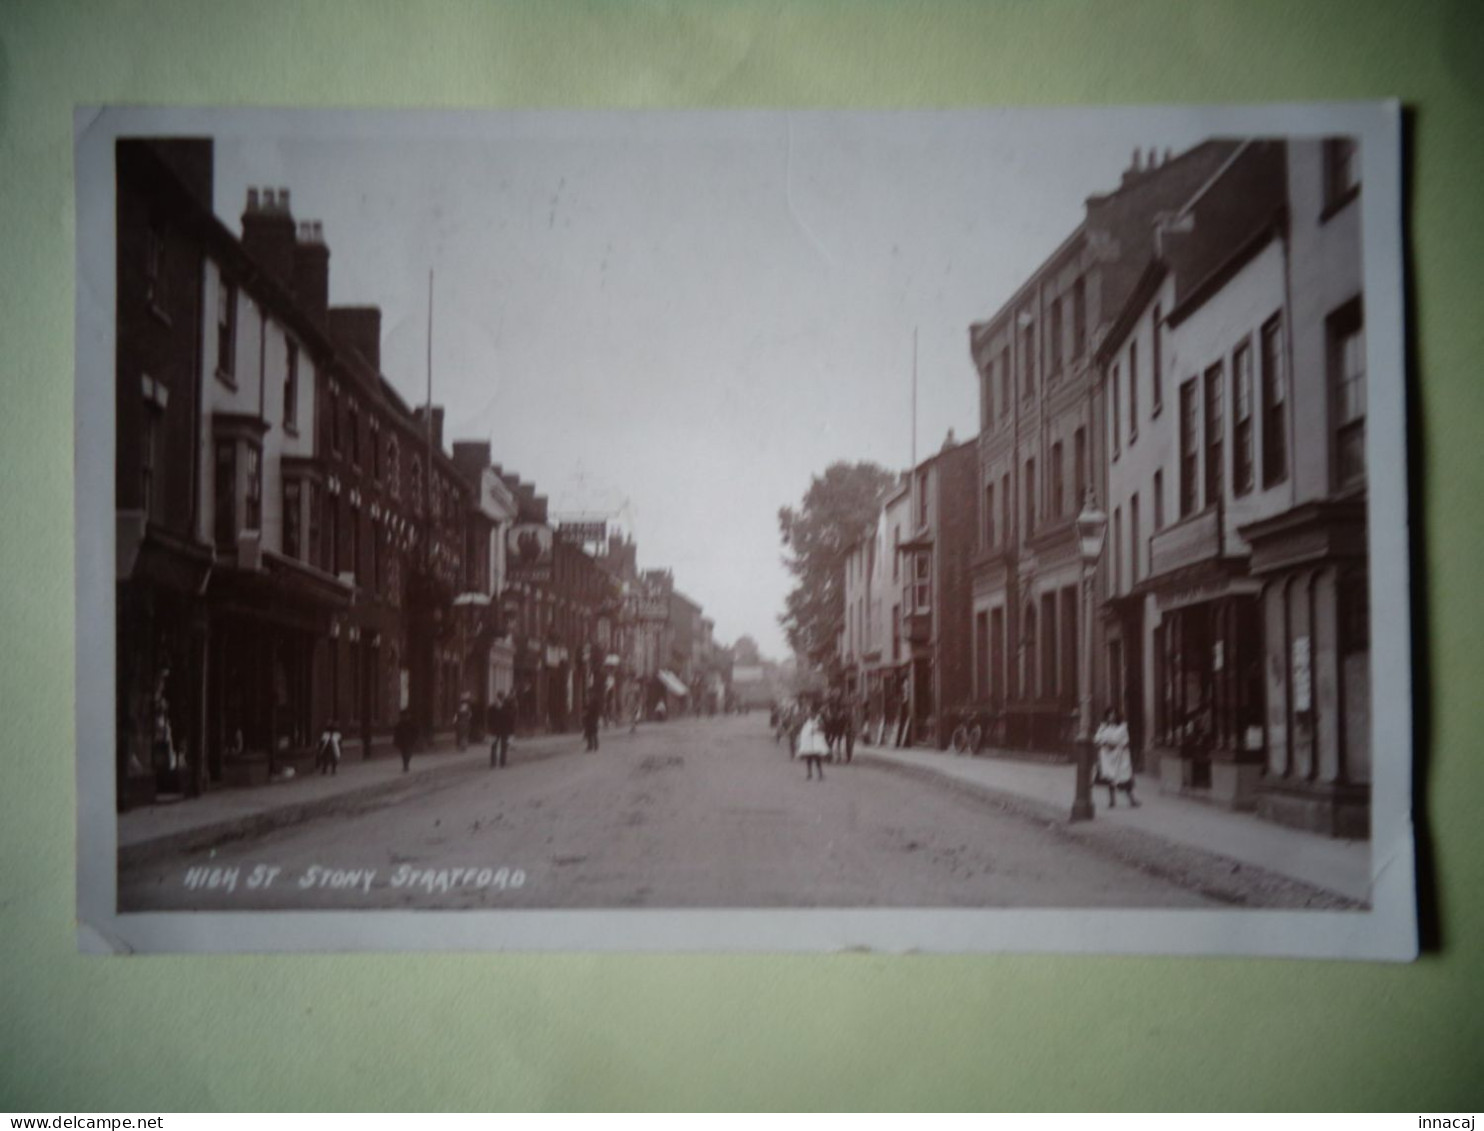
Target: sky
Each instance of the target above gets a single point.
(677, 319)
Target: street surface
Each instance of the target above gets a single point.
(689, 813)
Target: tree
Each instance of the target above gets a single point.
(745, 652)
(839, 509)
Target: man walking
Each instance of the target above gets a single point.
(592, 716)
(404, 734)
(501, 722)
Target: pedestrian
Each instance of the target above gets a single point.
(1115, 763)
(813, 745)
(462, 720)
(327, 756)
(404, 734)
(501, 727)
(592, 716)
(849, 713)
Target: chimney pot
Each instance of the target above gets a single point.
(252, 200)
(283, 199)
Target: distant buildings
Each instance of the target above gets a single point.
(295, 544)
(1191, 363)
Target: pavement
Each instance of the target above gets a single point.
(1340, 866)
(1041, 789)
(247, 810)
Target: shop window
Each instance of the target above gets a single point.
(1049, 672)
(313, 502)
(252, 489)
(225, 500)
(1347, 380)
(1028, 639)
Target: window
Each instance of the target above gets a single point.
(1215, 435)
(1190, 450)
(1114, 401)
(986, 398)
(990, 539)
(291, 388)
(332, 415)
(1079, 317)
(226, 330)
(1030, 497)
(353, 427)
(922, 582)
(1159, 501)
(1156, 390)
(376, 449)
(393, 475)
(1347, 379)
(252, 509)
(226, 494)
(353, 533)
(1007, 384)
(1028, 360)
(1058, 482)
(293, 516)
(1056, 332)
(1118, 549)
(896, 553)
(922, 499)
(1133, 392)
(1274, 405)
(1005, 501)
(154, 266)
(313, 501)
(1341, 171)
(1242, 443)
(1079, 468)
(1134, 545)
(415, 484)
(149, 457)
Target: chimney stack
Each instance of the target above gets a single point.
(359, 328)
(268, 233)
(312, 271)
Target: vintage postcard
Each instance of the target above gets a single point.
(768, 530)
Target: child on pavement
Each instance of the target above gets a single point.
(812, 745)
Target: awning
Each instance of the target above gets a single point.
(672, 683)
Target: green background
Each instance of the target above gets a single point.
(152, 1034)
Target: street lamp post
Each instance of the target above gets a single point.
(1092, 529)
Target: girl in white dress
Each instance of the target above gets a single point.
(1115, 763)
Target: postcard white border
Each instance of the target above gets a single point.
(1388, 930)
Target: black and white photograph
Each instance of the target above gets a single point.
(771, 530)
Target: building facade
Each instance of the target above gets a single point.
(1040, 445)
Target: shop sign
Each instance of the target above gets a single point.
(583, 533)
